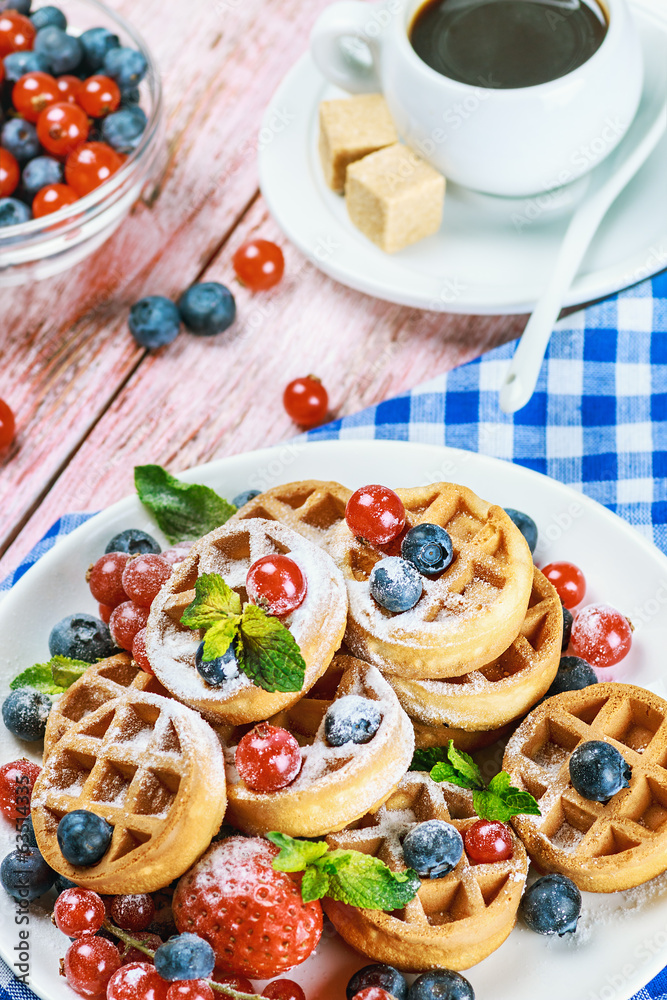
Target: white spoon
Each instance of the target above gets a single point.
(607, 182)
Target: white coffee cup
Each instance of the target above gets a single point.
(512, 142)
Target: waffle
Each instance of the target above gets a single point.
(317, 624)
(453, 922)
(464, 618)
(464, 739)
(311, 507)
(506, 688)
(336, 785)
(100, 683)
(155, 771)
(602, 848)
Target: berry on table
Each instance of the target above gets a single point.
(126, 620)
(17, 64)
(433, 848)
(10, 173)
(241, 499)
(17, 33)
(306, 401)
(68, 88)
(351, 719)
(90, 165)
(207, 308)
(551, 905)
(61, 884)
(222, 668)
(395, 584)
(177, 553)
(376, 514)
(16, 780)
(568, 580)
(429, 547)
(123, 129)
(268, 758)
(139, 654)
(190, 989)
(99, 96)
(598, 771)
(24, 713)
(283, 989)
(526, 526)
(488, 841)
(96, 43)
(105, 578)
(20, 139)
(443, 984)
(22, 6)
(186, 956)
(7, 425)
(13, 212)
(78, 912)
(143, 577)
(137, 981)
(81, 637)
(276, 582)
(130, 953)
(126, 66)
(384, 976)
(61, 128)
(52, 198)
(90, 963)
(239, 983)
(105, 612)
(63, 52)
(373, 993)
(568, 619)
(33, 93)
(259, 264)
(154, 321)
(28, 838)
(49, 17)
(26, 875)
(39, 173)
(83, 837)
(601, 635)
(133, 912)
(134, 542)
(573, 675)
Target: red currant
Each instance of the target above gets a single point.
(177, 554)
(78, 912)
(190, 989)
(601, 635)
(16, 781)
(61, 128)
(283, 989)
(68, 87)
(239, 983)
(10, 174)
(133, 912)
(7, 425)
(137, 981)
(131, 954)
(34, 92)
(105, 578)
(568, 580)
(139, 654)
(90, 963)
(487, 841)
(259, 264)
(276, 581)
(105, 611)
(52, 198)
(306, 401)
(268, 758)
(143, 578)
(373, 993)
(17, 33)
(375, 513)
(126, 620)
(90, 165)
(98, 96)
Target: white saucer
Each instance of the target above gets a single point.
(492, 255)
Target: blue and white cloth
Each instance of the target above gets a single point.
(597, 421)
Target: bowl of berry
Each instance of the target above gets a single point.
(80, 132)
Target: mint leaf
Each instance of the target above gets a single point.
(219, 638)
(314, 884)
(501, 800)
(268, 653)
(53, 677)
(214, 601)
(296, 855)
(65, 670)
(365, 881)
(465, 766)
(427, 758)
(184, 511)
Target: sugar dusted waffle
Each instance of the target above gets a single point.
(336, 785)
(504, 689)
(602, 848)
(463, 739)
(310, 506)
(453, 922)
(468, 615)
(151, 768)
(317, 624)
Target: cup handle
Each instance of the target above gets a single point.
(347, 19)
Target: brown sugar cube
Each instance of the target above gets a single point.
(394, 197)
(349, 129)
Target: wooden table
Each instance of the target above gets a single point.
(90, 404)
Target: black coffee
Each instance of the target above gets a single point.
(507, 43)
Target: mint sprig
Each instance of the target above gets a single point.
(350, 877)
(53, 677)
(184, 511)
(499, 800)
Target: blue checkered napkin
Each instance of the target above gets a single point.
(63, 526)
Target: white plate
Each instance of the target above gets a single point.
(623, 938)
(492, 255)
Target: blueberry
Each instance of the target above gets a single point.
(123, 129)
(216, 672)
(526, 526)
(61, 883)
(126, 66)
(39, 172)
(385, 977)
(429, 548)
(84, 837)
(13, 212)
(573, 674)
(25, 875)
(395, 584)
(598, 771)
(134, 542)
(154, 321)
(568, 619)
(20, 139)
(17, 64)
(96, 43)
(28, 835)
(82, 637)
(24, 712)
(441, 985)
(433, 848)
(63, 52)
(130, 98)
(351, 719)
(241, 499)
(49, 17)
(551, 905)
(185, 956)
(207, 308)
(20, 6)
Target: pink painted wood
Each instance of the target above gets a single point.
(90, 404)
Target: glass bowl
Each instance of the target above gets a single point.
(43, 247)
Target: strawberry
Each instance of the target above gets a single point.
(253, 917)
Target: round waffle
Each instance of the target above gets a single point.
(504, 689)
(453, 922)
(311, 507)
(154, 770)
(317, 624)
(336, 785)
(602, 848)
(464, 739)
(468, 615)
(100, 683)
